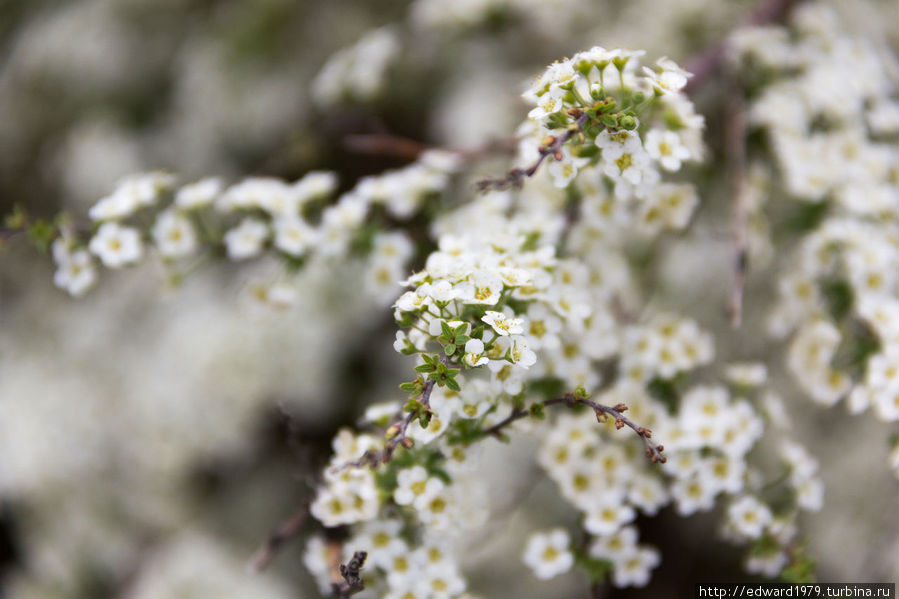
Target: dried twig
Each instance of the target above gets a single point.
(346, 579)
(397, 432)
(653, 452)
(384, 145)
(410, 149)
(281, 535)
(735, 148)
(552, 146)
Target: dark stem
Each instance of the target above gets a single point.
(281, 535)
(653, 452)
(552, 147)
(735, 149)
(374, 458)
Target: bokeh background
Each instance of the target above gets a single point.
(152, 435)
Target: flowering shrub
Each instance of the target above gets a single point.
(526, 306)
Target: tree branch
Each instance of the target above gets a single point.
(289, 529)
(350, 572)
(653, 452)
(551, 146)
(735, 149)
(397, 433)
(410, 149)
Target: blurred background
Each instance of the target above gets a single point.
(151, 436)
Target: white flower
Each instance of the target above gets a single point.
(749, 516)
(75, 271)
(485, 288)
(131, 193)
(623, 156)
(520, 354)
(414, 485)
(668, 77)
(199, 194)
(693, 494)
(503, 324)
(565, 170)
(613, 547)
(633, 569)
(548, 553)
(174, 235)
(547, 104)
(116, 246)
(474, 353)
(246, 239)
(746, 374)
(315, 184)
(293, 236)
(607, 514)
(666, 148)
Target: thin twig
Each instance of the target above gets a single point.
(653, 452)
(382, 144)
(552, 146)
(350, 572)
(373, 458)
(735, 148)
(281, 535)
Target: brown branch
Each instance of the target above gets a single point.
(551, 146)
(653, 452)
(410, 149)
(735, 149)
(397, 433)
(384, 145)
(289, 529)
(350, 573)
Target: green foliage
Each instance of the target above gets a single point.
(41, 233)
(597, 570)
(801, 567)
(438, 371)
(838, 296)
(452, 340)
(664, 390)
(806, 216)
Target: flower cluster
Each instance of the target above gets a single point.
(246, 218)
(825, 103)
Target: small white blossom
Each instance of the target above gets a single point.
(548, 553)
(502, 323)
(246, 239)
(174, 235)
(116, 246)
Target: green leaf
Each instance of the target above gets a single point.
(425, 368)
(597, 570)
(424, 419)
(838, 295)
(445, 328)
(409, 387)
(449, 349)
(452, 384)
